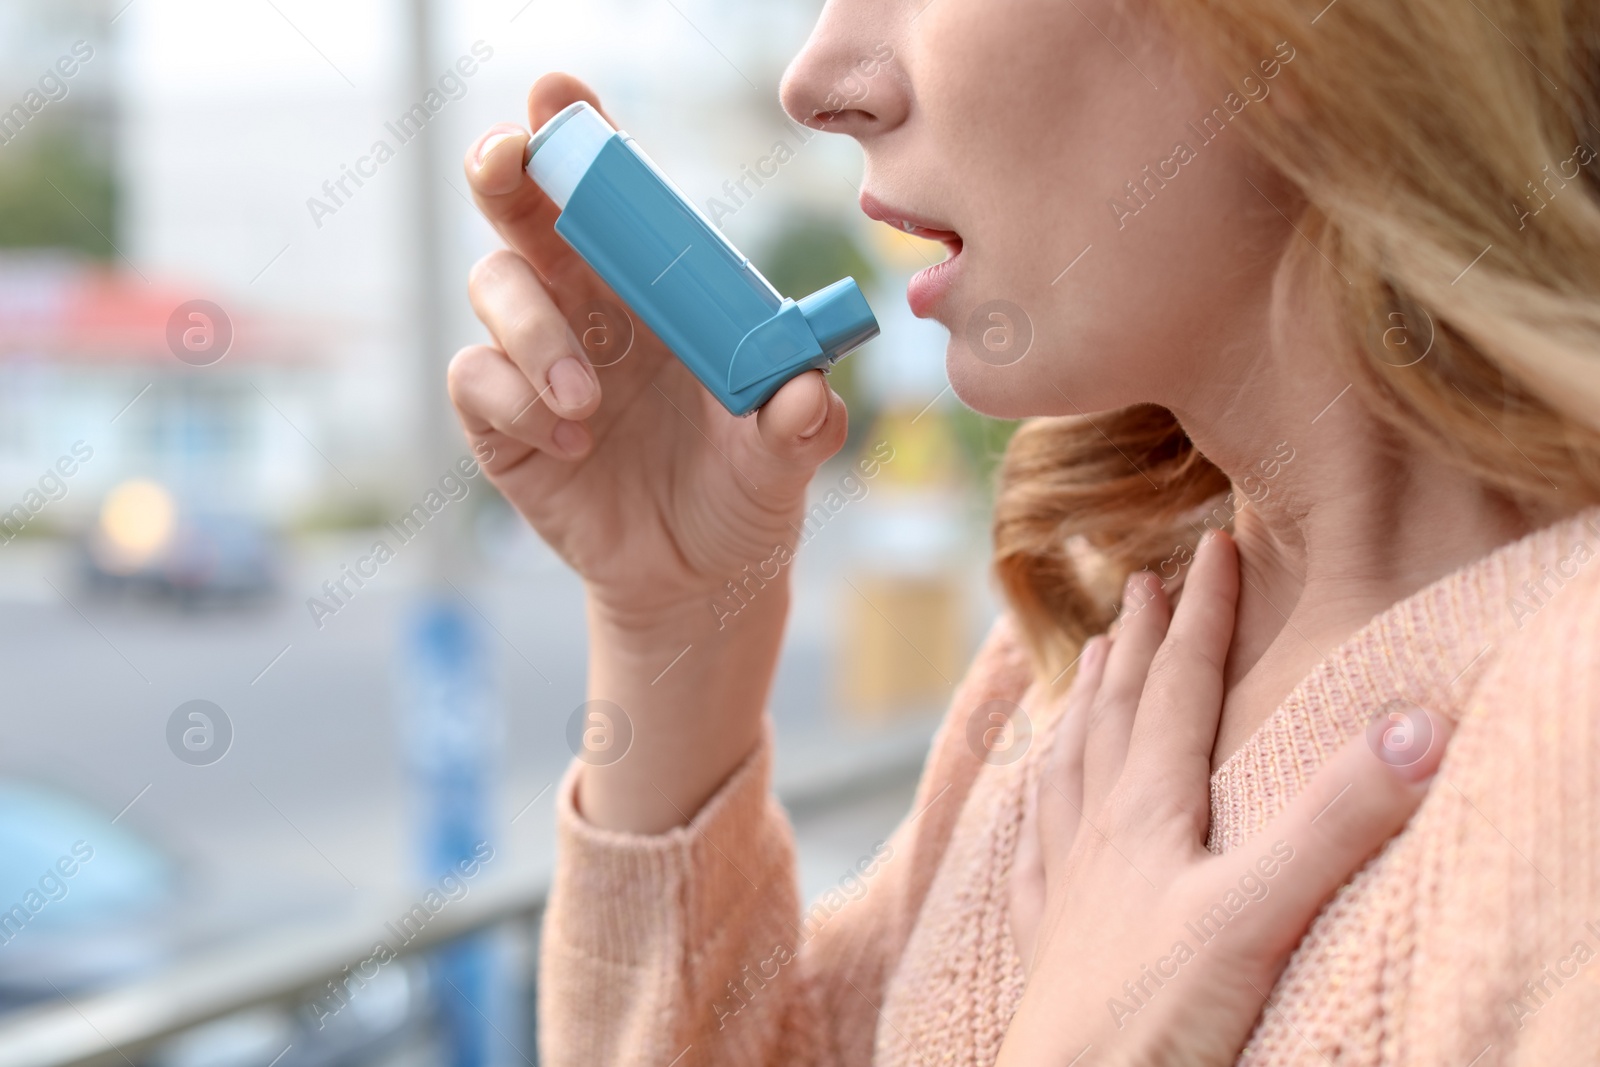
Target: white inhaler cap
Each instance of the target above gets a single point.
(562, 150)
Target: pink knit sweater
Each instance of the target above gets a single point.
(1473, 938)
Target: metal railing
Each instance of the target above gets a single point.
(280, 966)
(289, 966)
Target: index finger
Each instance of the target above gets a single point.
(517, 208)
(1176, 728)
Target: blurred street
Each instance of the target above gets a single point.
(311, 803)
(222, 379)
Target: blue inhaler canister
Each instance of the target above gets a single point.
(678, 273)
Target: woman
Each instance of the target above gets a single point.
(1321, 276)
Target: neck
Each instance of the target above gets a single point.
(1338, 516)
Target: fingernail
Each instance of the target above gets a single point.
(1407, 737)
(571, 383)
(1095, 650)
(569, 438)
(487, 145)
(820, 418)
(1131, 589)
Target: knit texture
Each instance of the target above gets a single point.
(1472, 938)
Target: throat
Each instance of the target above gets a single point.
(1279, 633)
(1247, 705)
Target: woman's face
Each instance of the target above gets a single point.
(1110, 239)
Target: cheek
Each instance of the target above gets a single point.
(1042, 124)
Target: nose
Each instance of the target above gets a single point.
(847, 79)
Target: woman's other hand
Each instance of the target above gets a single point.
(1142, 946)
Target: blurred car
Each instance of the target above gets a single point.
(145, 542)
(77, 895)
(89, 906)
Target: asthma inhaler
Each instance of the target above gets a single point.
(677, 271)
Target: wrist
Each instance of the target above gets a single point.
(731, 615)
(693, 685)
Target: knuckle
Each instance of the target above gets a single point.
(1334, 840)
(464, 368)
(536, 332)
(1117, 819)
(1181, 655)
(1101, 711)
(479, 274)
(1167, 670)
(1350, 825)
(492, 268)
(1186, 816)
(1112, 704)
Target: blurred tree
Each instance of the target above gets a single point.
(812, 249)
(983, 440)
(55, 192)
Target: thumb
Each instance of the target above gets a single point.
(803, 423)
(1360, 799)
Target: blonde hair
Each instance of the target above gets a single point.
(1422, 135)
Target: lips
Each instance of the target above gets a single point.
(929, 286)
(906, 222)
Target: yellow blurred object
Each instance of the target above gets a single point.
(136, 522)
(903, 633)
(903, 251)
(926, 452)
(903, 643)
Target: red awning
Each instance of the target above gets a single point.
(59, 307)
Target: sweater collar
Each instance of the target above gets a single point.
(1430, 648)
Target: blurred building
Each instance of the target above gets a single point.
(87, 370)
(234, 121)
(204, 152)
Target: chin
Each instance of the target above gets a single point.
(999, 392)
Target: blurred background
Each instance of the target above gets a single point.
(254, 810)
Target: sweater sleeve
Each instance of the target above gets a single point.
(691, 946)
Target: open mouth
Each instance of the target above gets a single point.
(928, 287)
(912, 224)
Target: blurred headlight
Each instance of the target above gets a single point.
(136, 523)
